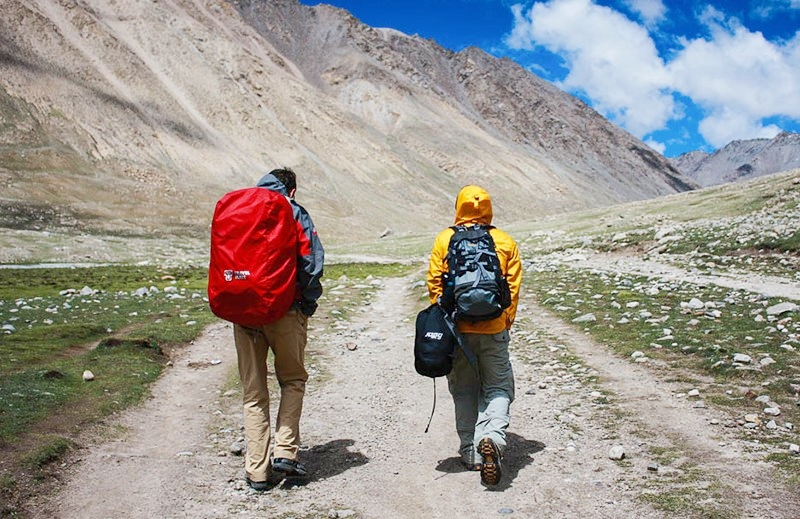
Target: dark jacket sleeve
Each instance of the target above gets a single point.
(310, 260)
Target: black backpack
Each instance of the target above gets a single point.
(475, 288)
(435, 342)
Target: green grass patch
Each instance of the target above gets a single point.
(18, 283)
(50, 450)
(684, 491)
(113, 320)
(123, 371)
(361, 271)
(789, 464)
(349, 287)
(789, 243)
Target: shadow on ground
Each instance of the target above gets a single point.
(331, 459)
(518, 454)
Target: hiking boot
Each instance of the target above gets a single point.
(289, 468)
(263, 486)
(491, 470)
(470, 458)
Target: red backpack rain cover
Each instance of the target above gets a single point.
(253, 264)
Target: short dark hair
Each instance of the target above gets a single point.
(287, 177)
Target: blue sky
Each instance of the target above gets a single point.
(681, 75)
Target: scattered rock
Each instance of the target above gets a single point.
(752, 419)
(88, 376)
(694, 304)
(616, 453)
(782, 308)
(237, 448)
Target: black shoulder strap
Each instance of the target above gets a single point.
(451, 324)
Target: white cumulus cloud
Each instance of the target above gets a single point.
(610, 58)
(739, 78)
(651, 11)
(735, 76)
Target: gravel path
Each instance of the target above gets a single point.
(365, 445)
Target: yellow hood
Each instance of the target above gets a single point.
(473, 205)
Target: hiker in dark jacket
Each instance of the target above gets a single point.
(287, 339)
(482, 393)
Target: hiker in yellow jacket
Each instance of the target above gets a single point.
(482, 393)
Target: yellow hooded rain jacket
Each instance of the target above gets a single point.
(473, 206)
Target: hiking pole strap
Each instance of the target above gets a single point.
(460, 340)
(433, 408)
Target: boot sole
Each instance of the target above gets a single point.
(490, 468)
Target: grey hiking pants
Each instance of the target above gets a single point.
(482, 393)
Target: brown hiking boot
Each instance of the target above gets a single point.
(491, 470)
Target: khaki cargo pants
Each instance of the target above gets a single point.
(287, 339)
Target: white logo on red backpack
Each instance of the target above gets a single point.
(230, 275)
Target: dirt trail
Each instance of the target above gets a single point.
(770, 286)
(364, 440)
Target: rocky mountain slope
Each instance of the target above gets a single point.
(134, 117)
(742, 160)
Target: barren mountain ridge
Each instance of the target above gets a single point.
(135, 117)
(742, 160)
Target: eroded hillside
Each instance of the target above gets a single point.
(133, 118)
